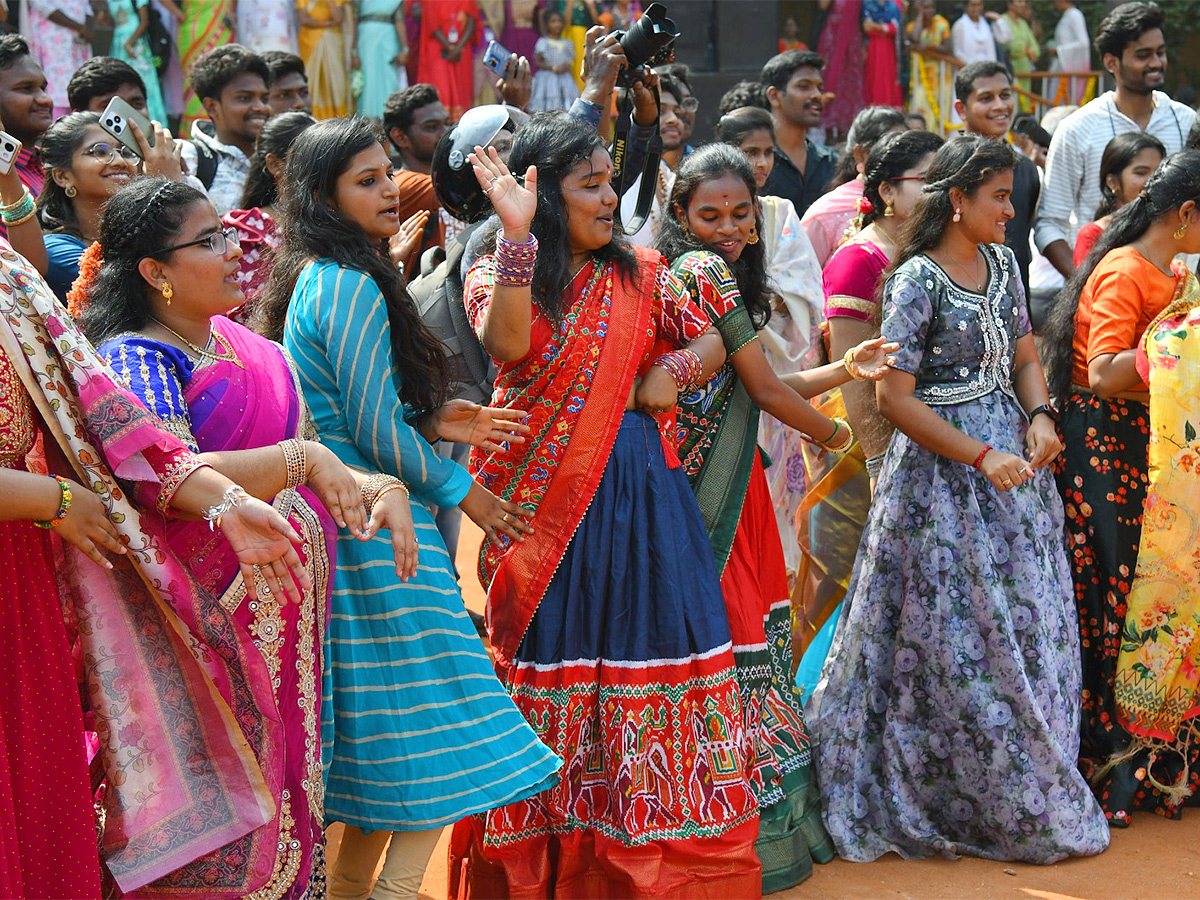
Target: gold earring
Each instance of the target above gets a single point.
(167, 292)
(888, 211)
(70, 191)
(1181, 231)
(958, 215)
(753, 239)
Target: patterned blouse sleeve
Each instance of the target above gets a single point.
(907, 316)
(680, 319)
(717, 290)
(155, 373)
(477, 291)
(353, 324)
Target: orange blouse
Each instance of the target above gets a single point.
(1122, 296)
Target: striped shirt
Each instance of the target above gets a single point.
(1072, 182)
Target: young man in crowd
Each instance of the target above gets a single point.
(795, 91)
(231, 82)
(25, 108)
(100, 79)
(414, 120)
(1132, 49)
(986, 104)
(289, 83)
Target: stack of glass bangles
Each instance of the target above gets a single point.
(839, 424)
(684, 366)
(20, 212)
(515, 262)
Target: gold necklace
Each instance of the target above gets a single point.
(973, 277)
(228, 354)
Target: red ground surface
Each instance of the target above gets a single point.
(1155, 859)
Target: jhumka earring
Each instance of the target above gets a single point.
(167, 292)
(753, 239)
(888, 211)
(1181, 231)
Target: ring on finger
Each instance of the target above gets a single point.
(1007, 482)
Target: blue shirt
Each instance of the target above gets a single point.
(63, 252)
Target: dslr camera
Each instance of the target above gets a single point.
(650, 41)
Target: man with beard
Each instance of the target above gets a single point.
(795, 90)
(1132, 48)
(986, 103)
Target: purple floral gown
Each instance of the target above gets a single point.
(947, 715)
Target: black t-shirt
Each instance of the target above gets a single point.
(1026, 189)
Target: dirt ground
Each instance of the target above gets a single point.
(1154, 859)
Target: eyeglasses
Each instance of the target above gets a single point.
(107, 153)
(689, 105)
(920, 178)
(218, 242)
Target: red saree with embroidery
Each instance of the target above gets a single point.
(607, 623)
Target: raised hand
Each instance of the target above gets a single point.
(485, 427)
(403, 242)
(165, 158)
(514, 204)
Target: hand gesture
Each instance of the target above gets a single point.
(408, 238)
(393, 513)
(87, 526)
(165, 158)
(495, 516)
(514, 204)
(603, 59)
(1041, 442)
(657, 392)
(516, 87)
(871, 358)
(264, 541)
(1005, 471)
(336, 487)
(486, 427)
(645, 104)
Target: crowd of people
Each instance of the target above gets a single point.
(791, 549)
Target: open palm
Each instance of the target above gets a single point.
(514, 204)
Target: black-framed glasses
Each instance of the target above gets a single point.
(218, 242)
(107, 153)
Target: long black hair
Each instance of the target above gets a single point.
(139, 220)
(966, 162)
(56, 211)
(750, 270)
(868, 127)
(1118, 154)
(556, 143)
(890, 158)
(1173, 184)
(275, 139)
(737, 125)
(312, 229)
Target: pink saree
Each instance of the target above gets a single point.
(250, 399)
(189, 739)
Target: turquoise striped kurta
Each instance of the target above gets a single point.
(417, 730)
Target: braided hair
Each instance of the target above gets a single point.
(1173, 184)
(139, 221)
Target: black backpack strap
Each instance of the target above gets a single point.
(206, 164)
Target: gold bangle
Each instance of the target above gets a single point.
(847, 441)
(376, 486)
(21, 221)
(11, 206)
(295, 458)
(852, 365)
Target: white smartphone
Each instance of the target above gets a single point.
(116, 118)
(9, 148)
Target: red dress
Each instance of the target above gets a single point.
(48, 848)
(453, 80)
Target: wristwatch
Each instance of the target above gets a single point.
(1048, 410)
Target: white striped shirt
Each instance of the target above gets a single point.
(1072, 182)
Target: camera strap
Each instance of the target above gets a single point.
(649, 173)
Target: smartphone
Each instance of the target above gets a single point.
(116, 118)
(9, 148)
(496, 58)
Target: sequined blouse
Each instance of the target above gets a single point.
(17, 432)
(958, 344)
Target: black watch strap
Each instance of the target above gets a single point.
(1047, 409)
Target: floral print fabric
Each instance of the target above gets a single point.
(947, 715)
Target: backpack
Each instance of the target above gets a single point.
(438, 296)
(206, 163)
(159, 38)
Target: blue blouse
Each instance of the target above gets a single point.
(63, 252)
(959, 344)
(155, 373)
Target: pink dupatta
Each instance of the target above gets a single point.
(189, 753)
